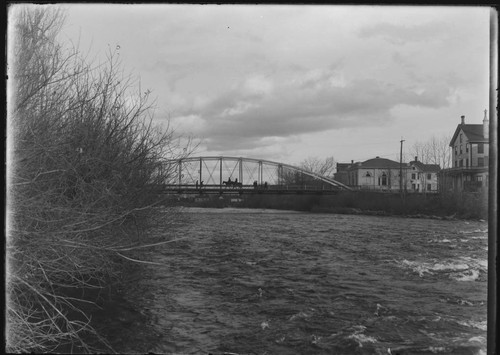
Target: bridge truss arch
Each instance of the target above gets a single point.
(215, 170)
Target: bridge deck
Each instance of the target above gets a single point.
(247, 189)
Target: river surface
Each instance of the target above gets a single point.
(278, 282)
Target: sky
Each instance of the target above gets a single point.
(290, 82)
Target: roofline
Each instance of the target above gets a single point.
(460, 127)
(455, 135)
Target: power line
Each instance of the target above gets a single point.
(358, 145)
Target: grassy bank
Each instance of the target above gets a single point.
(458, 205)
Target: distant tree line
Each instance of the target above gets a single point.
(323, 167)
(436, 150)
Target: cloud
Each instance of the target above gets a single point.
(301, 102)
(403, 34)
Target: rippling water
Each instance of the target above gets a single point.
(274, 282)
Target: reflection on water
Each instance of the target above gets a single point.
(257, 282)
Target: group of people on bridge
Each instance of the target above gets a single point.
(256, 185)
(235, 183)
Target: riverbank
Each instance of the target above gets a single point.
(104, 307)
(446, 207)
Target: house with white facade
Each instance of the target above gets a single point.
(470, 155)
(422, 177)
(380, 174)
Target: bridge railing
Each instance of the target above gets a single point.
(270, 187)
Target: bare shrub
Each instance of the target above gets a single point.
(84, 167)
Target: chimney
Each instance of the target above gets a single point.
(485, 125)
(463, 119)
(352, 161)
(416, 158)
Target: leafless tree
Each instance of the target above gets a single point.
(324, 167)
(436, 150)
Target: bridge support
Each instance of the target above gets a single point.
(240, 170)
(201, 169)
(277, 174)
(260, 172)
(180, 172)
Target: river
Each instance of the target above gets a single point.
(277, 282)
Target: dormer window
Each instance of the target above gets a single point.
(368, 174)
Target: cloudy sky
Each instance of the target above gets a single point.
(285, 83)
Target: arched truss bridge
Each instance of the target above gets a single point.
(225, 174)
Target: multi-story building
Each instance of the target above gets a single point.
(470, 147)
(381, 174)
(423, 177)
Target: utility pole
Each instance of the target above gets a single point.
(401, 168)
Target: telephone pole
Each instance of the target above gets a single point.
(401, 168)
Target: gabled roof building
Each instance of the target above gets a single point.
(423, 177)
(380, 174)
(470, 147)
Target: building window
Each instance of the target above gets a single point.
(479, 178)
(368, 174)
(413, 186)
(467, 148)
(461, 137)
(480, 161)
(429, 187)
(429, 176)
(384, 179)
(467, 162)
(461, 163)
(413, 176)
(456, 163)
(461, 152)
(480, 148)
(456, 150)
